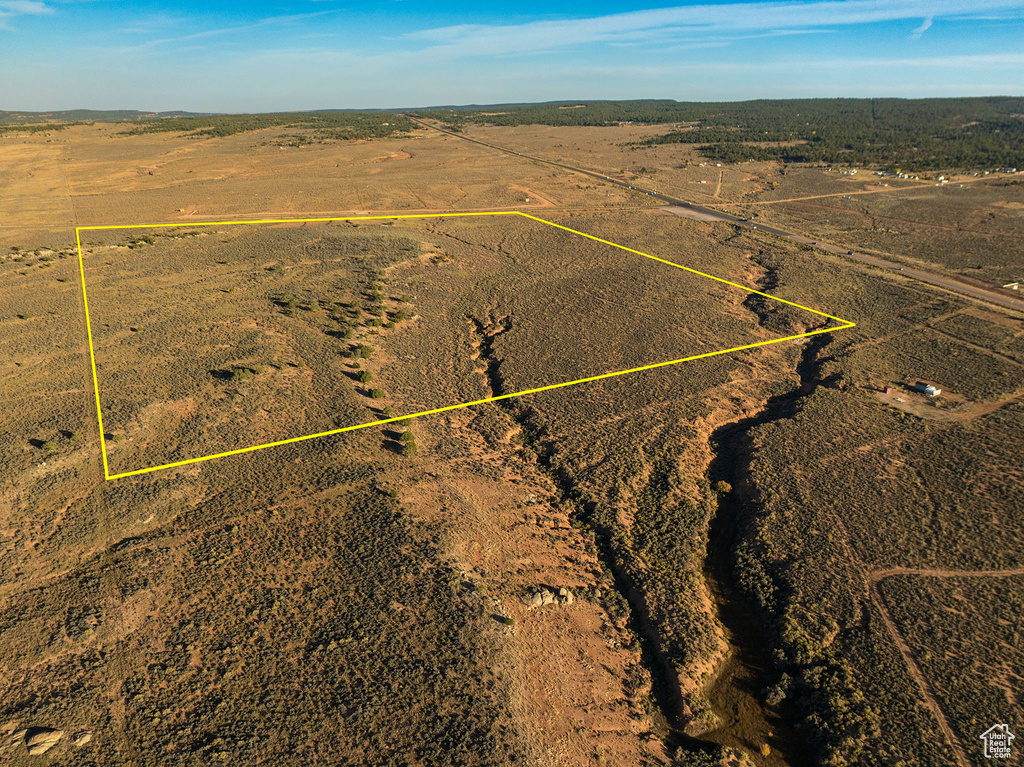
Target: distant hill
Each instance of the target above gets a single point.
(87, 115)
(542, 104)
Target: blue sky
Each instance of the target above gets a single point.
(259, 56)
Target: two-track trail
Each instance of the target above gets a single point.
(873, 579)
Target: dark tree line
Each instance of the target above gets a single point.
(325, 125)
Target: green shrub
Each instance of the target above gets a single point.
(376, 393)
(365, 376)
(364, 351)
(409, 448)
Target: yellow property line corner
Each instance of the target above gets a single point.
(844, 325)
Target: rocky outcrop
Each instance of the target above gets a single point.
(80, 738)
(541, 597)
(39, 740)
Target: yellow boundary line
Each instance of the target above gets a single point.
(845, 324)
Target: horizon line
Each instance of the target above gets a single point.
(471, 106)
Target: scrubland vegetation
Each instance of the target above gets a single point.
(265, 348)
(967, 636)
(34, 127)
(813, 529)
(282, 607)
(624, 452)
(259, 625)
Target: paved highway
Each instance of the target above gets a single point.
(692, 210)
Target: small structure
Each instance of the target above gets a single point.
(1012, 285)
(928, 389)
(888, 390)
(1006, 170)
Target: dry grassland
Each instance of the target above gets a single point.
(92, 175)
(672, 169)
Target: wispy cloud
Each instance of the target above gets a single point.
(925, 26)
(689, 21)
(144, 28)
(235, 58)
(964, 62)
(12, 8)
(24, 6)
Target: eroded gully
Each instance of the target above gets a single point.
(736, 692)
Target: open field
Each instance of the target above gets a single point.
(749, 542)
(227, 617)
(94, 175)
(671, 169)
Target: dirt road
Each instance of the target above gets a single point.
(947, 283)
